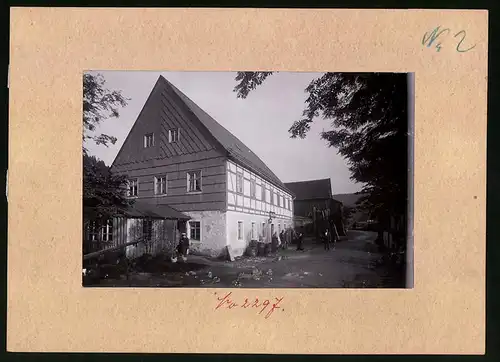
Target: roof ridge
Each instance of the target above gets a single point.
(237, 150)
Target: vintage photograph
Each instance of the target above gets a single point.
(246, 179)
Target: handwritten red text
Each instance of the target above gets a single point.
(263, 306)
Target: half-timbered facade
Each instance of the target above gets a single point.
(178, 155)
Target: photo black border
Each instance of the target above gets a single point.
(493, 179)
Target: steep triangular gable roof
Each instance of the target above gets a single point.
(311, 189)
(236, 149)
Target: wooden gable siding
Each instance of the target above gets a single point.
(164, 111)
(213, 182)
(195, 150)
(132, 150)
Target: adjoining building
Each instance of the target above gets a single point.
(314, 201)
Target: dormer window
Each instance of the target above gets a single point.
(174, 135)
(149, 140)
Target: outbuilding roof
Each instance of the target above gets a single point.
(311, 189)
(140, 209)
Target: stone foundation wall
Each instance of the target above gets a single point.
(213, 232)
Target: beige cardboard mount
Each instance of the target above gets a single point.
(49, 310)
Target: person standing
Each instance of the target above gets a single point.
(283, 239)
(300, 240)
(327, 239)
(183, 247)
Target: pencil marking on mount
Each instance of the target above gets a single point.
(437, 33)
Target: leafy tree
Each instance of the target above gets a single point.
(103, 192)
(99, 103)
(368, 115)
(347, 214)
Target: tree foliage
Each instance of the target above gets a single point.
(103, 192)
(99, 103)
(369, 128)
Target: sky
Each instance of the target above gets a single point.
(261, 121)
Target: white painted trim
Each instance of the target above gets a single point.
(155, 182)
(201, 182)
(201, 230)
(242, 236)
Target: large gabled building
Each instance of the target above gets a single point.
(178, 155)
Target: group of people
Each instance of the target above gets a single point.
(286, 237)
(283, 240)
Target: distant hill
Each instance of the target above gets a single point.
(349, 200)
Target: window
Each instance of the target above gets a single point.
(107, 230)
(147, 229)
(240, 230)
(161, 185)
(194, 181)
(93, 231)
(195, 230)
(281, 201)
(133, 187)
(272, 197)
(174, 135)
(252, 188)
(149, 140)
(263, 229)
(239, 183)
(253, 231)
(263, 189)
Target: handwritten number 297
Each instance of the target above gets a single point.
(435, 34)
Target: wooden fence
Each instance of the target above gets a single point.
(144, 236)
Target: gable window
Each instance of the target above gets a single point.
(174, 135)
(195, 230)
(149, 140)
(160, 185)
(253, 231)
(239, 183)
(194, 181)
(252, 188)
(240, 230)
(147, 229)
(133, 187)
